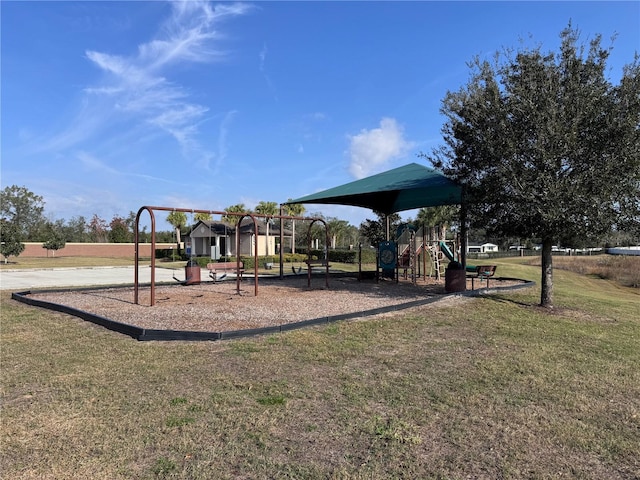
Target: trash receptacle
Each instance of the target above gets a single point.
(455, 278)
(192, 273)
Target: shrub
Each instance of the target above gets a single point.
(294, 257)
(343, 256)
(203, 261)
(368, 255)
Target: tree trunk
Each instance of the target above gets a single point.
(178, 239)
(443, 232)
(546, 295)
(463, 235)
(266, 248)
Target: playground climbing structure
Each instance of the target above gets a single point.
(419, 255)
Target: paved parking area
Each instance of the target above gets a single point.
(18, 280)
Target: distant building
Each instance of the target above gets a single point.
(484, 248)
(217, 239)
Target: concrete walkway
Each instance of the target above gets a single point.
(20, 280)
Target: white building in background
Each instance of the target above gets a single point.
(484, 248)
(217, 239)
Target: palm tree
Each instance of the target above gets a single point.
(202, 217)
(441, 216)
(178, 220)
(238, 208)
(267, 208)
(338, 229)
(294, 210)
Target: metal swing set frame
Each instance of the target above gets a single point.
(241, 215)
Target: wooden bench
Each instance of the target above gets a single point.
(483, 272)
(225, 267)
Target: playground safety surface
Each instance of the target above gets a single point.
(215, 310)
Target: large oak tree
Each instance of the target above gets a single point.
(545, 145)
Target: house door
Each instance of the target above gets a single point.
(223, 246)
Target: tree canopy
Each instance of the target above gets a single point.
(338, 230)
(237, 208)
(23, 209)
(119, 230)
(375, 231)
(97, 229)
(55, 237)
(545, 145)
(267, 208)
(10, 244)
(440, 216)
(294, 209)
(202, 217)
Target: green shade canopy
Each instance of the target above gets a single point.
(403, 188)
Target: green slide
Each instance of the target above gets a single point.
(449, 254)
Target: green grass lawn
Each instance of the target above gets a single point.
(492, 387)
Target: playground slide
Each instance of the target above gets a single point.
(449, 254)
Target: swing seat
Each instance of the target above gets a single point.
(311, 264)
(225, 267)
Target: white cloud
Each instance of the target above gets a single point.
(371, 150)
(92, 163)
(188, 33)
(136, 90)
(265, 74)
(263, 56)
(223, 133)
(318, 116)
(180, 121)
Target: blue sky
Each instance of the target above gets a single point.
(108, 106)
